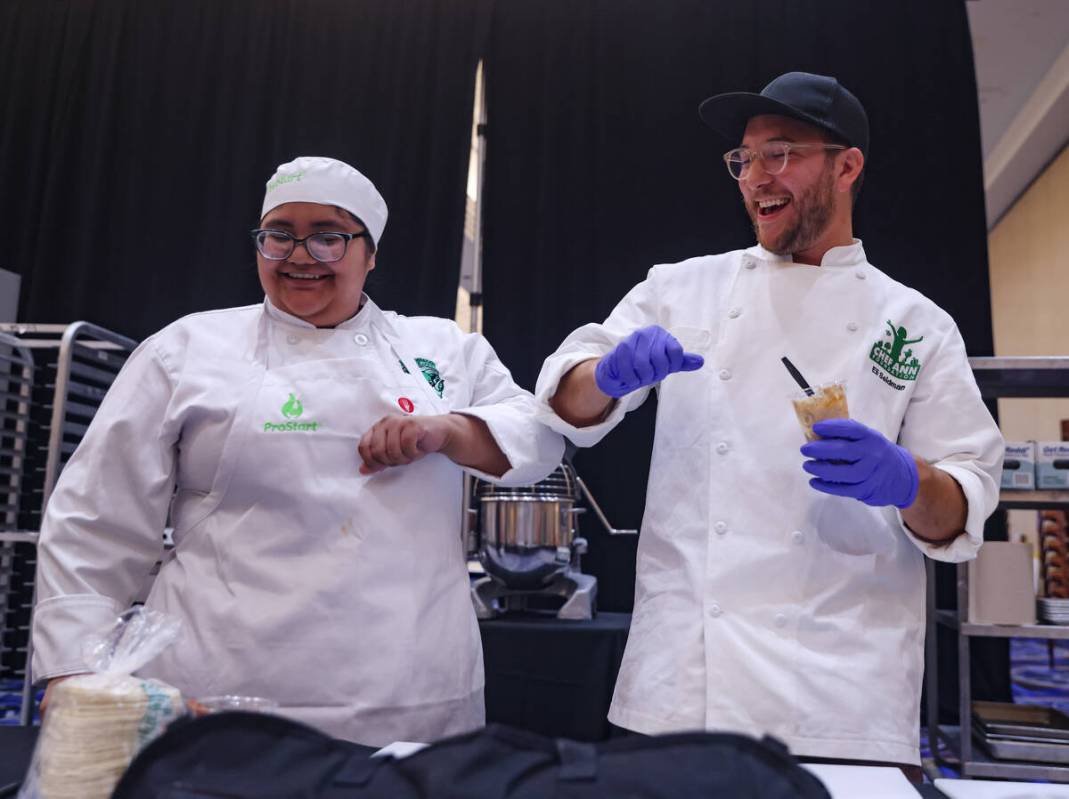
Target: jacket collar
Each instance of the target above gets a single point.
(368, 310)
(852, 254)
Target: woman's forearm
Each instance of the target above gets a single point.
(469, 443)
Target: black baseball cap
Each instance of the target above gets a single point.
(816, 99)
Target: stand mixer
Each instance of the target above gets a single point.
(525, 538)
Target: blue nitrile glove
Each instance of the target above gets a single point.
(645, 357)
(852, 460)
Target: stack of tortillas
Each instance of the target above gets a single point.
(94, 726)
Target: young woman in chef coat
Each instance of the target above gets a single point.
(309, 450)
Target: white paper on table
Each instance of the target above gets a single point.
(977, 789)
(399, 749)
(863, 782)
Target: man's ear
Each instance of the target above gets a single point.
(371, 261)
(851, 165)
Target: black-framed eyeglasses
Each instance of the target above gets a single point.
(278, 245)
(773, 156)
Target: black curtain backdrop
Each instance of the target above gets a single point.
(598, 167)
(137, 138)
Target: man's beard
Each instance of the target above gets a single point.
(813, 214)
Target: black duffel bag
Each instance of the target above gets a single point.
(252, 756)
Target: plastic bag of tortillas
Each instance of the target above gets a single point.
(95, 723)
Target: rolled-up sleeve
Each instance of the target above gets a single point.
(510, 413)
(948, 425)
(636, 310)
(102, 530)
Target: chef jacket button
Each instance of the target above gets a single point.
(725, 374)
(714, 610)
(859, 275)
(720, 528)
(780, 620)
(292, 339)
(851, 326)
(360, 339)
(734, 313)
(723, 447)
(797, 536)
(749, 264)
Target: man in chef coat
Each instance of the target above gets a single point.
(309, 451)
(782, 591)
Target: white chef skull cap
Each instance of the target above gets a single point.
(311, 179)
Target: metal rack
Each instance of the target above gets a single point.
(16, 385)
(997, 378)
(52, 380)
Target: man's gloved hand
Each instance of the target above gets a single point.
(852, 460)
(645, 357)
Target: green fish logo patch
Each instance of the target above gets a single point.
(430, 371)
(892, 357)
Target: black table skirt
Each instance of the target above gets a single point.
(542, 674)
(16, 749)
(551, 676)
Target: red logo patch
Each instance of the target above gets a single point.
(406, 404)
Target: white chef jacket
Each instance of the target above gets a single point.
(344, 597)
(761, 604)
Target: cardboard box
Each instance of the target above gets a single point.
(1019, 466)
(1001, 588)
(1052, 464)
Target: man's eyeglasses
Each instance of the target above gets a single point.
(278, 245)
(773, 156)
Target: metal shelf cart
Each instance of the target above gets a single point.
(52, 380)
(996, 377)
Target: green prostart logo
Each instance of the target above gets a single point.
(292, 410)
(893, 361)
(283, 179)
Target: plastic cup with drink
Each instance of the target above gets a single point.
(816, 403)
(828, 401)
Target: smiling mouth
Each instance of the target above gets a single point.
(771, 207)
(306, 277)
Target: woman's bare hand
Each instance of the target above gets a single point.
(399, 440)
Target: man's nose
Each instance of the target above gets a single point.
(756, 176)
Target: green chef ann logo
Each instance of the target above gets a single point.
(892, 357)
(430, 371)
(292, 410)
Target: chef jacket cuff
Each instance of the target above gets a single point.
(965, 546)
(60, 625)
(548, 381)
(533, 451)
